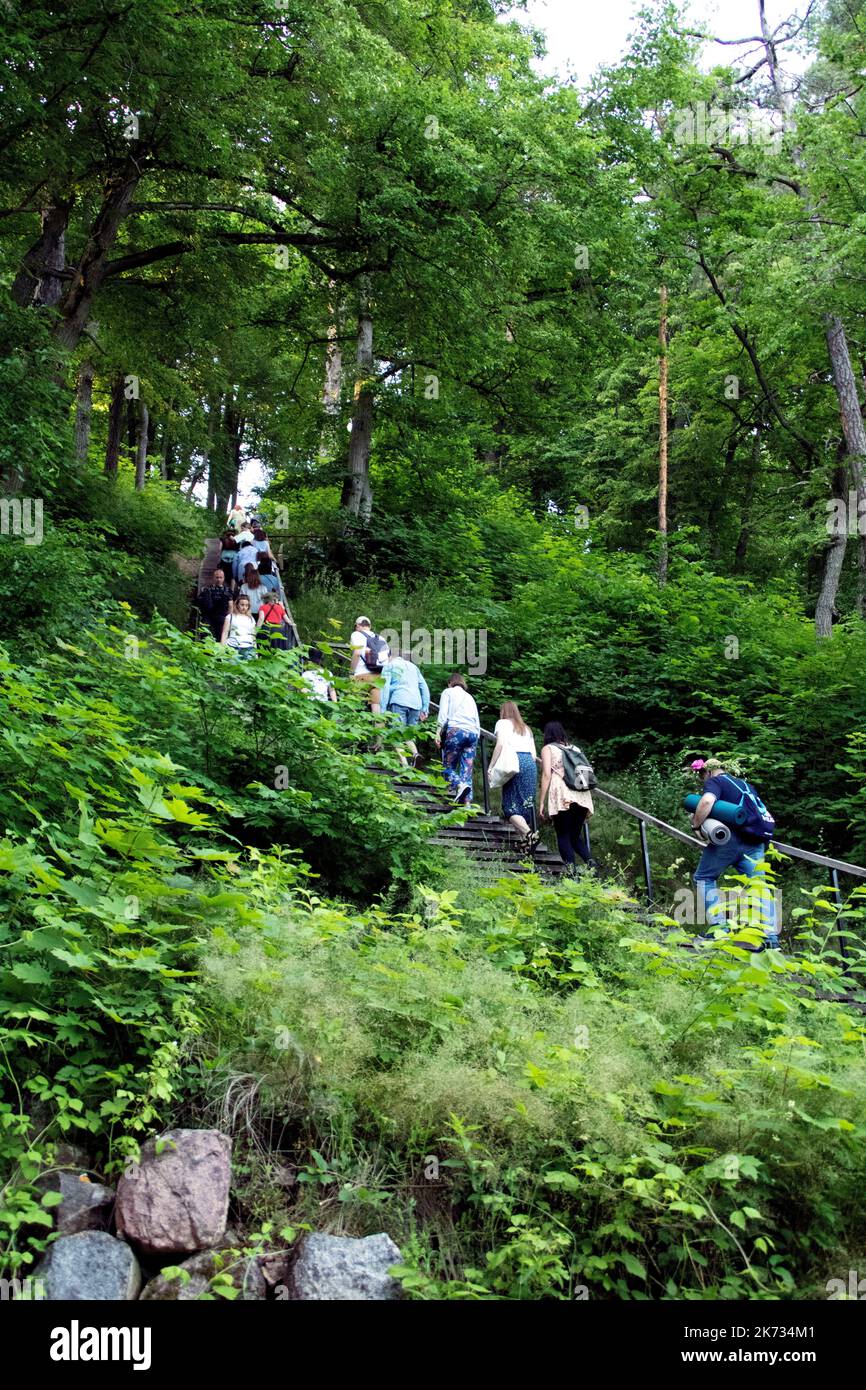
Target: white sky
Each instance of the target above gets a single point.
(582, 34)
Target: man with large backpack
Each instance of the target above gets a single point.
(745, 851)
(370, 652)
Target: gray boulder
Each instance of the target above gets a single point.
(176, 1201)
(245, 1274)
(91, 1265)
(346, 1268)
(86, 1206)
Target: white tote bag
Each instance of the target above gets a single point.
(505, 767)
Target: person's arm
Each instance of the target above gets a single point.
(261, 618)
(497, 750)
(546, 770)
(425, 696)
(442, 715)
(226, 628)
(332, 694)
(357, 648)
(702, 810)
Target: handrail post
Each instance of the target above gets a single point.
(484, 783)
(647, 872)
(837, 892)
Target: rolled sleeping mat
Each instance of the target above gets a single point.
(725, 811)
(714, 832)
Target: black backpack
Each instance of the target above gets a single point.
(577, 772)
(376, 653)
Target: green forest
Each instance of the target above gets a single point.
(562, 380)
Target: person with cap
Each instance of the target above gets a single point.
(745, 852)
(370, 652)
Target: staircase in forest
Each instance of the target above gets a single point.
(489, 839)
(486, 838)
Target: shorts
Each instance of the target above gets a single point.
(405, 715)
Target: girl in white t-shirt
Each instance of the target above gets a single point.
(518, 794)
(239, 630)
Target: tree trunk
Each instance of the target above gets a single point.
(357, 495)
(165, 453)
(663, 437)
(834, 559)
(234, 429)
(333, 363)
(115, 422)
(837, 348)
(141, 446)
(132, 428)
(852, 425)
(748, 497)
(76, 305)
(39, 280)
(83, 411)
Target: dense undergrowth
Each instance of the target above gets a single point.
(214, 910)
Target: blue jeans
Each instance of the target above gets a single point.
(406, 716)
(748, 860)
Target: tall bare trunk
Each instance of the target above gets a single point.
(853, 427)
(333, 360)
(663, 436)
(837, 348)
(825, 608)
(164, 451)
(115, 423)
(357, 495)
(748, 497)
(141, 446)
(83, 411)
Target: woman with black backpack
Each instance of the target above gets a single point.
(569, 808)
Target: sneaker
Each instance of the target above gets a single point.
(461, 791)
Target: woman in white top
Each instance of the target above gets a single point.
(518, 794)
(459, 729)
(239, 630)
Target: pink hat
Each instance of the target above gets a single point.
(697, 764)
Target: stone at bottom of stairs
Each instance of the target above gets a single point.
(91, 1265)
(346, 1268)
(245, 1275)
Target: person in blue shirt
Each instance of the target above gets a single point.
(744, 853)
(246, 555)
(405, 695)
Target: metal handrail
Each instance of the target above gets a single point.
(645, 818)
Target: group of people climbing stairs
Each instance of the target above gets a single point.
(510, 844)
